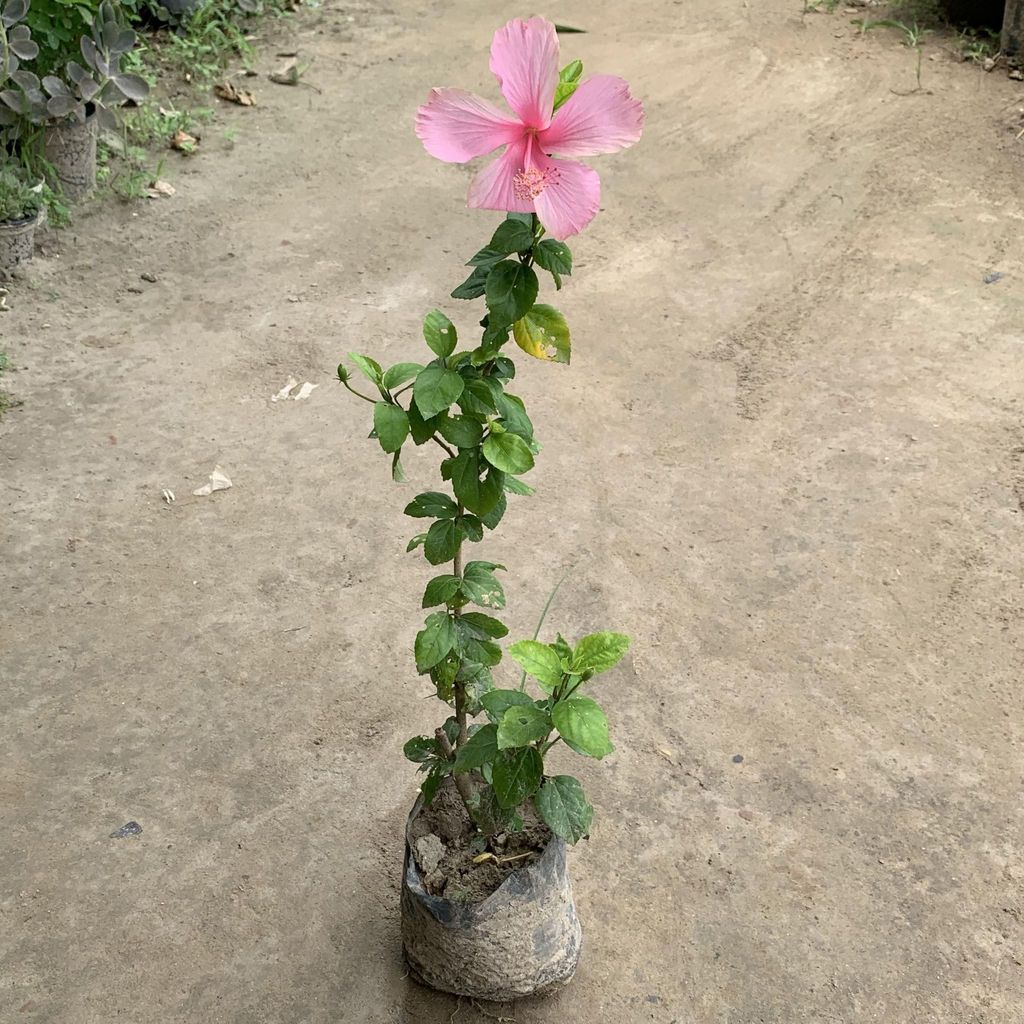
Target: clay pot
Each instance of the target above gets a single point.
(17, 240)
(525, 938)
(70, 147)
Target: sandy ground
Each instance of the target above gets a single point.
(788, 458)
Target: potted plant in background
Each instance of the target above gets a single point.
(70, 106)
(487, 906)
(21, 211)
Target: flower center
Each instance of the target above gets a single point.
(528, 184)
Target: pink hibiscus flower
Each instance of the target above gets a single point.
(600, 117)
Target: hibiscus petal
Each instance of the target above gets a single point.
(570, 196)
(494, 188)
(599, 117)
(524, 59)
(456, 126)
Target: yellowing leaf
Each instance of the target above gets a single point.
(544, 334)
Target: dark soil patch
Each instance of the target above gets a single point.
(445, 844)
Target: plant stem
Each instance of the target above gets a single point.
(460, 686)
(359, 394)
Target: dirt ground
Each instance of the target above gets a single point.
(788, 458)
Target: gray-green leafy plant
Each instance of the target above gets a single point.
(18, 200)
(16, 45)
(496, 743)
(99, 82)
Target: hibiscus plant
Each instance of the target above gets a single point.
(496, 743)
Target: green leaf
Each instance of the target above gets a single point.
(497, 702)
(435, 390)
(485, 624)
(540, 662)
(582, 724)
(599, 652)
(553, 256)
(441, 590)
(513, 415)
(522, 725)
(481, 652)
(370, 367)
(472, 528)
(543, 333)
(400, 373)
(480, 585)
(432, 505)
(461, 431)
(480, 397)
(419, 539)
(508, 452)
(420, 749)
(443, 539)
(492, 340)
(391, 424)
(514, 486)
(516, 775)
(434, 641)
(480, 748)
(479, 496)
(561, 647)
(568, 82)
(494, 517)
(432, 783)
(511, 291)
(511, 236)
(474, 285)
(397, 473)
(564, 808)
(422, 429)
(490, 817)
(443, 677)
(440, 334)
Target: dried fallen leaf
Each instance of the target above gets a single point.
(287, 74)
(160, 188)
(183, 142)
(305, 391)
(218, 482)
(230, 92)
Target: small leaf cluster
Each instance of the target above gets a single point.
(508, 752)
(503, 274)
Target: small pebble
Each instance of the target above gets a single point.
(147, 276)
(737, 758)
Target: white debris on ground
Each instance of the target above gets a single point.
(290, 385)
(218, 482)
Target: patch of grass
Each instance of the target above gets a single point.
(977, 45)
(215, 34)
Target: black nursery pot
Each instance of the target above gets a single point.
(17, 240)
(524, 939)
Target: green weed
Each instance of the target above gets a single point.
(913, 36)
